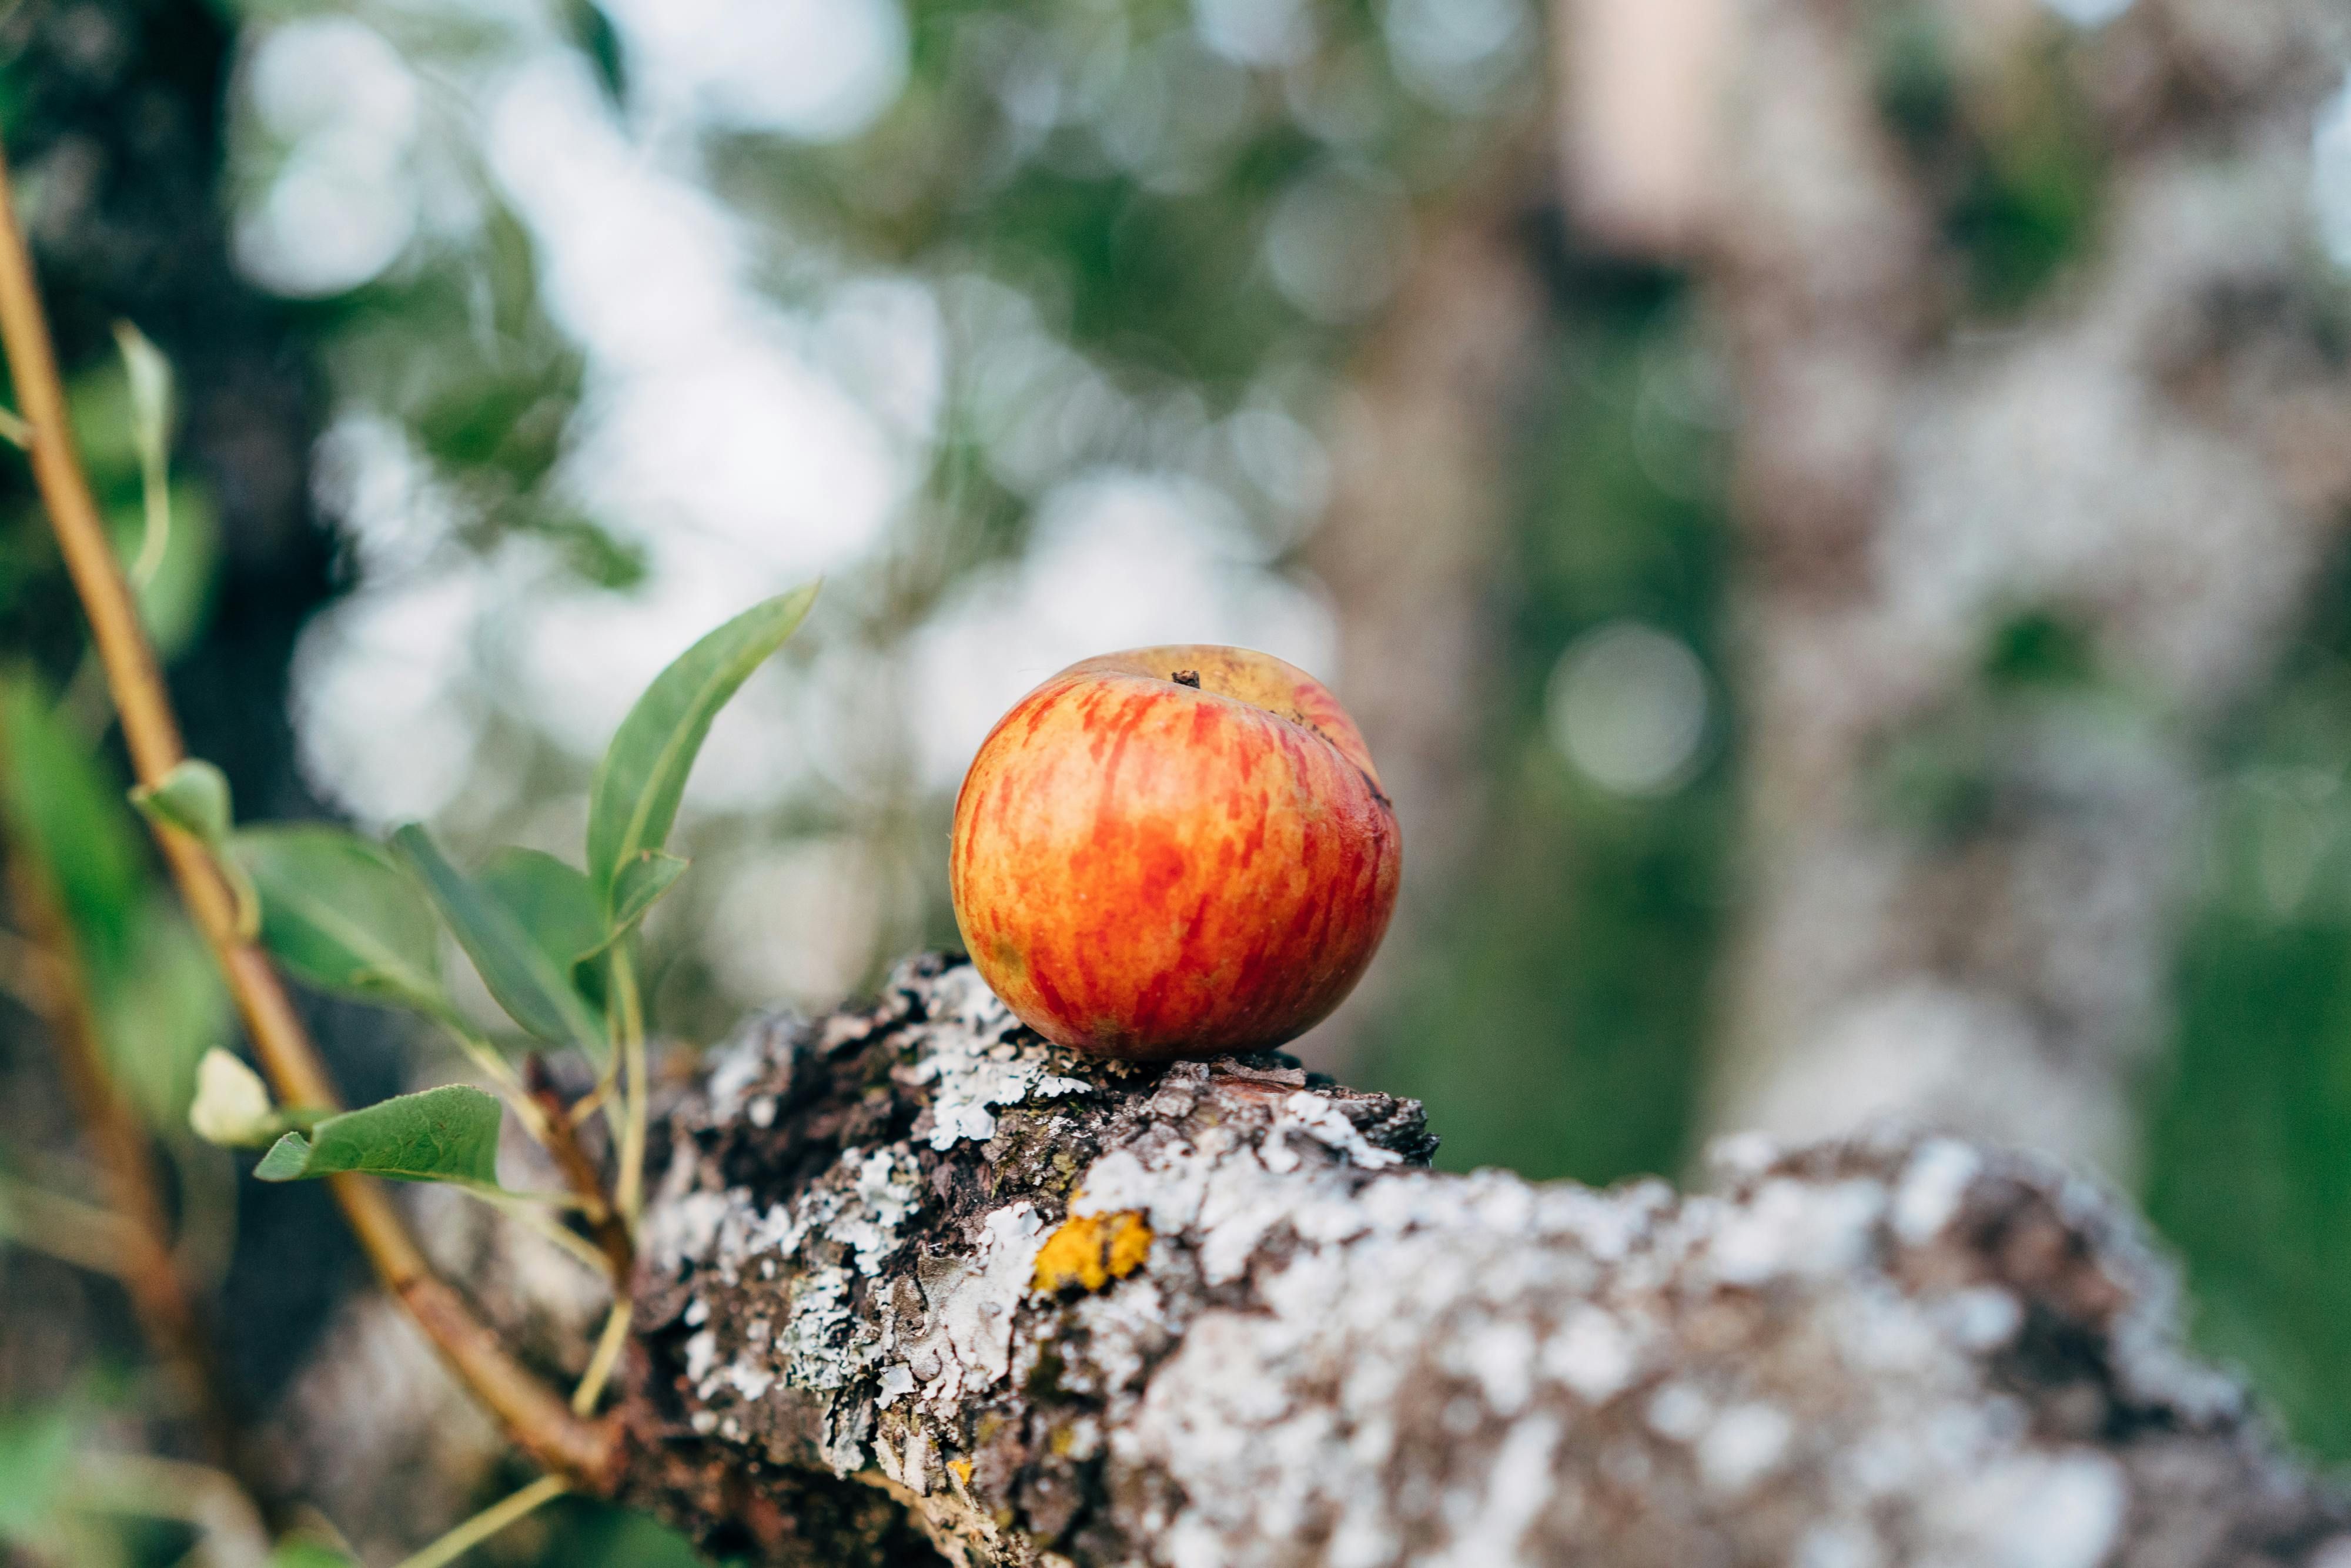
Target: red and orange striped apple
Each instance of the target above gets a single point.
(1174, 852)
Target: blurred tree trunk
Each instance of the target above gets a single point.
(2043, 400)
(1421, 447)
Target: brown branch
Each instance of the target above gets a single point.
(536, 1418)
(606, 1227)
(168, 1310)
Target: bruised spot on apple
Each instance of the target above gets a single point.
(1174, 852)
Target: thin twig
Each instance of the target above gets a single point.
(488, 1522)
(537, 1418)
(606, 1356)
(166, 1308)
(66, 1228)
(208, 1221)
(25, 975)
(628, 1192)
(588, 1104)
(525, 1212)
(610, 1232)
(493, 1067)
(151, 1488)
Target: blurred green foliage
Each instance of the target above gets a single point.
(160, 1001)
(37, 1447)
(1556, 1022)
(597, 1535)
(2007, 153)
(2250, 1121)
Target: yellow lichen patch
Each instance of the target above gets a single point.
(1130, 1244)
(1090, 1251)
(962, 1469)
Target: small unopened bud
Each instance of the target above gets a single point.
(232, 1107)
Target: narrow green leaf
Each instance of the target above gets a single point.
(449, 1133)
(193, 798)
(592, 32)
(151, 422)
(161, 1014)
(535, 992)
(65, 811)
(307, 1554)
(342, 914)
(171, 554)
(151, 392)
(551, 901)
(36, 1447)
(633, 799)
(640, 884)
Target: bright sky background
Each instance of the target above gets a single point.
(746, 443)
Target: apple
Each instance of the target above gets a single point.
(1174, 852)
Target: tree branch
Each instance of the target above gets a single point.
(917, 1284)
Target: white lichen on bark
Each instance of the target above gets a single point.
(1313, 1349)
(2135, 450)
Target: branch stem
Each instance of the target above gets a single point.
(66, 1228)
(167, 1310)
(488, 1522)
(493, 1066)
(537, 1417)
(606, 1356)
(628, 1192)
(527, 1213)
(604, 1224)
(144, 1486)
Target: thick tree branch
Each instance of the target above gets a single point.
(918, 1285)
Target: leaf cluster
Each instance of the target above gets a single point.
(349, 916)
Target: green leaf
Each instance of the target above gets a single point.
(151, 392)
(535, 991)
(342, 914)
(193, 798)
(640, 884)
(307, 1554)
(634, 797)
(162, 1012)
(592, 32)
(551, 901)
(177, 590)
(449, 1133)
(63, 807)
(36, 1461)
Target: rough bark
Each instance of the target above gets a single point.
(2142, 449)
(921, 1287)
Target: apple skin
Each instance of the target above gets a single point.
(1149, 870)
